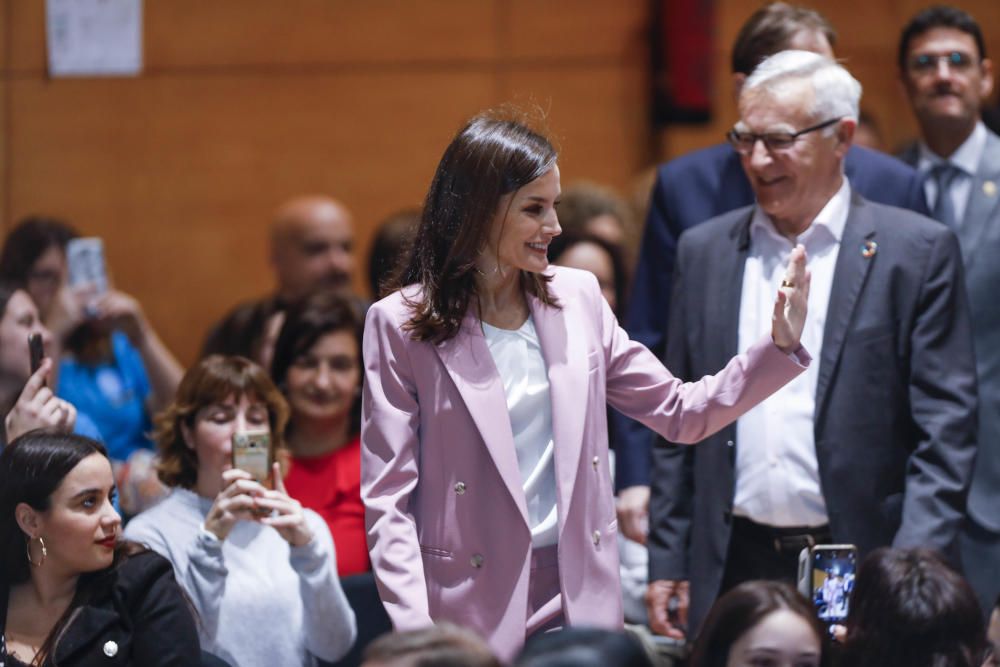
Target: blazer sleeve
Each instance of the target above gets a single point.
(390, 446)
(943, 401)
(163, 628)
(641, 387)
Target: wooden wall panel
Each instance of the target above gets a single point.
(560, 29)
(180, 174)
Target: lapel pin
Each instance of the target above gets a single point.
(990, 189)
(869, 249)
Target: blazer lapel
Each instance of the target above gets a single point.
(723, 323)
(983, 208)
(470, 365)
(849, 278)
(85, 628)
(566, 362)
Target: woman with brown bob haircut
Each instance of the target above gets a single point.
(260, 569)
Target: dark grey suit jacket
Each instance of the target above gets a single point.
(979, 236)
(895, 400)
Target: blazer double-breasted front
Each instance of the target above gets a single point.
(445, 510)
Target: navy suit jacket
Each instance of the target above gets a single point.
(688, 191)
(895, 415)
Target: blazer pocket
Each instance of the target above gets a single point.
(593, 360)
(435, 552)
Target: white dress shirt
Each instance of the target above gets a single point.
(966, 158)
(777, 473)
(518, 358)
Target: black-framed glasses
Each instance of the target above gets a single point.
(744, 142)
(925, 63)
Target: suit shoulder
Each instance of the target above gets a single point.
(895, 221)
(395, 307)
(714, 228)
(708, 160)
(567, 282)
(141, 570)
(868, 159)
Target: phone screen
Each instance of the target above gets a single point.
(832, 581)
(36, 350)
(85, 264)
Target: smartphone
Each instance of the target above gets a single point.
(85, 264)
(252, 453)
(826, 577)
(36, 350)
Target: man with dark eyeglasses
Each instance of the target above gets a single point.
(874, 444)
(947, 76)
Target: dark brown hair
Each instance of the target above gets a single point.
(742, 608)
(27, 242)
(910, 609)
(323, 312)
(441, 645)
(491, 156)
(939, 16)
(771, 29)
(212, 380)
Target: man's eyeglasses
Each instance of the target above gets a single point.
(925, 63)
(744, 142)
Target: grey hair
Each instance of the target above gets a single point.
(837, 93)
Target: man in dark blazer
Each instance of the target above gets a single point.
(874, 446)
(707, 183)
(944, 69)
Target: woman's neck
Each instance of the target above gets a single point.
(315, 437)
(47, 590)
(501, 298)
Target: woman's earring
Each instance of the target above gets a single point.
(45, 551)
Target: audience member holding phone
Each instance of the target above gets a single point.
(26, 398)
(72, 593)
(260, 570)
(910, 609)
(317, 366)
(113, 365)
(761, 623)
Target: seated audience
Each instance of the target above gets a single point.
(592, 209)
(761, 623)
(391, 249)
(909, 609)
(71, 592)
(583, 647)
(317, 365)
(26, 399)
(265, 587)
(441, 645)
(113, 365)
(587, 251)
(312, 247)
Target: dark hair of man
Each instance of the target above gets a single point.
(740, 610)
(771, 29)
(490, 157)
(321, 313)
(440, 645)
(31, 468)
(27, 242)
(212, 380)
(939, 16)
(391, 249)
(568, 239)
(909, 609)
(582, 647)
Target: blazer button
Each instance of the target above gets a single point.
(597, 537)
(110, 649)
(460, 488)
(729, 443)
(596, 462)
(476, 561)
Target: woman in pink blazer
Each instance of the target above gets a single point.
(484, 464)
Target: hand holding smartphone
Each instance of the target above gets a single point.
(253, 453)
(36, 350)
(826, 577)
(86, 267)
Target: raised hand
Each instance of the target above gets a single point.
(38, 407)
(791, 304)
(287, 517)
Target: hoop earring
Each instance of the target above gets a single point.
(45, 552)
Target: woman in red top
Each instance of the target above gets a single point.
(317, 365)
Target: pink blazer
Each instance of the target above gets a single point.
(444, 506)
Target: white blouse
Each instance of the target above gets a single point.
(518, 358)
